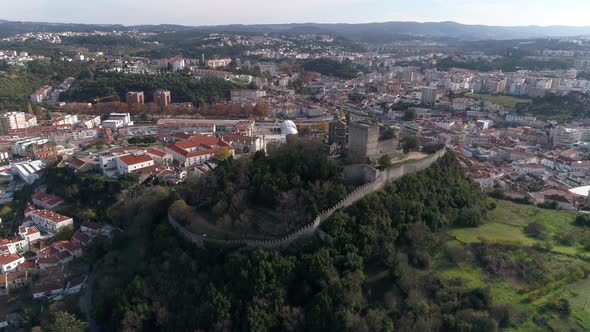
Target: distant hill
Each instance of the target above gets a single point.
(371, 32)
(380, 32)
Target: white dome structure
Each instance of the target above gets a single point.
(288, 127)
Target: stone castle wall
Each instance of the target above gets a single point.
(382, 178)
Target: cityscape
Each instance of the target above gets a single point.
(395, 176)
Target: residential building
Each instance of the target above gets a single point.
(12, 120)
(135, 97)
(247, 95)
(429, 96)
(132, 163)
(162, 98)
(50, 221)
(9, 262)
(20, 147)
(564, 137)
(46, 201)
(215, 63)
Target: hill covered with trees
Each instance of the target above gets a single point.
(373, 271)
(328, 67)
(291, 184)
(183, 87)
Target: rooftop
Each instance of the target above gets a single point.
(50, 215)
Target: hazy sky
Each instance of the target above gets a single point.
(211, 12)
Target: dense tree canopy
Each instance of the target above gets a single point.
(296, 178)
(344, 69)
(575, 105)
(183, 87)
(323, 288)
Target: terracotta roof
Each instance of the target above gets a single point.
(81, 237)
(156, 152)
(46, 198)
(92, 225)
(53, 259)
(50, 215)
(9, 258)
(134, 160)
(199, 145)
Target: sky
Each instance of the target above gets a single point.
(208, 12)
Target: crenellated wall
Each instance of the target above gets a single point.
(357, 194)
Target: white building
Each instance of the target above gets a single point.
(50, 221)
(13, 120)
(19, 148)
(28, 171)
(9, 262)
(91, 122)
(131, 163)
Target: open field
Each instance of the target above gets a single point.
(506, 224)
(504, 227)
(506, 101)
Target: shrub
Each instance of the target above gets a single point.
(537, 230)
(583, 220)
(561, 306)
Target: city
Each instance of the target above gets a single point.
(351, 177)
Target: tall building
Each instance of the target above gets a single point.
(428, 96)
(363, 139)
(162, 98)
(133, 97)
(555, 83)
(12, 120)
(565, 138)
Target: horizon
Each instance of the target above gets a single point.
(297, 23)
(503, 13)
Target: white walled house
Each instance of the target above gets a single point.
(31, 234)
(9, 262)
(50, 221)
(131, 163)
(14, 246)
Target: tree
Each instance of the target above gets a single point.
(384, 161)
(409, 143)
(66, 322)
(409, 115)
(222, 153)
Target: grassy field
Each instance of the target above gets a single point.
(507, 222)
(505, 225)
(506, 101)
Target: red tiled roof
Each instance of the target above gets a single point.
(133, 160)
(50, 215)
(207, 145)
(156, 152)
(45, 198)
(8, 258)
(92, 225)
(81, 237)
(53, 259)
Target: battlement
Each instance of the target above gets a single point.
(383, 177)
